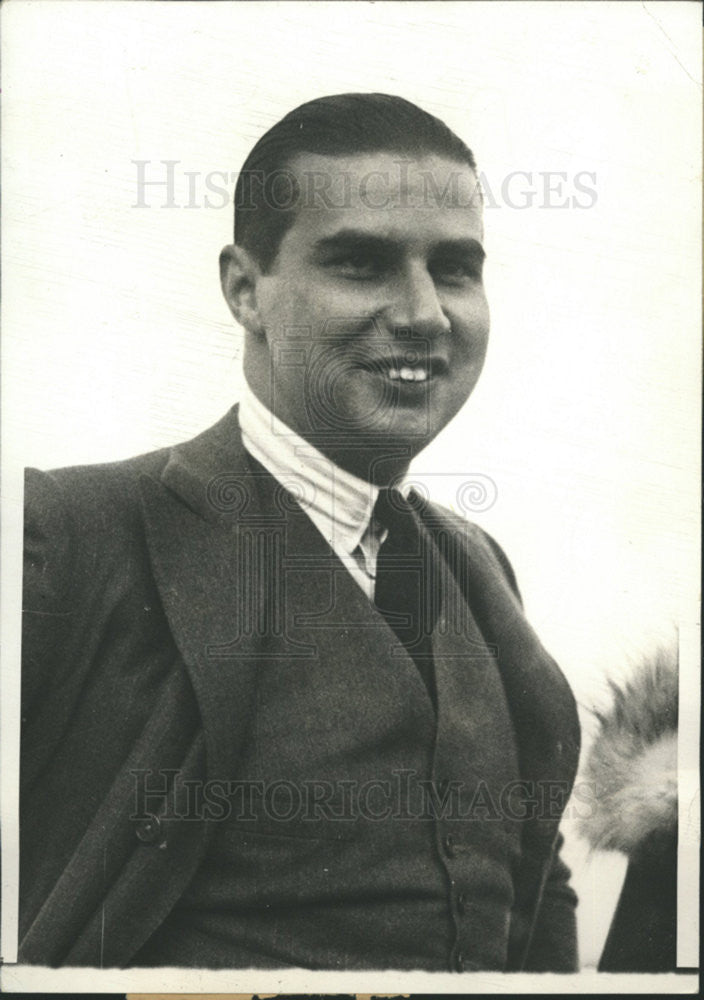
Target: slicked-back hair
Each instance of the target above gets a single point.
(267, 192)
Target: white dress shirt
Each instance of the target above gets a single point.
(338, 503)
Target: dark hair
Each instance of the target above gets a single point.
(267, 192)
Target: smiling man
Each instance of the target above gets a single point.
(279, 710)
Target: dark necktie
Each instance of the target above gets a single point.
(404, 592)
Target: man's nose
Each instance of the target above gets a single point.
(417, 309)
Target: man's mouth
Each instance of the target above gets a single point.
(409, 369)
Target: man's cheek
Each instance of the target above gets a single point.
(348, 325)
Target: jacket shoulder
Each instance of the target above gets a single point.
(83, 549)
(105, 486)
(75, 510)
(473, 542)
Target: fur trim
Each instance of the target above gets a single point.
(632, 765)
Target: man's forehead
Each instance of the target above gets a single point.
(423, 200)
(385, 179)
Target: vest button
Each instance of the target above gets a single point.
(449, 845)
(149, 830)
(459, 962)
(461, 902)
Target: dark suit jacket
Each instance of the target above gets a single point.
(132, 596)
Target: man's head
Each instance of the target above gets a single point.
(356, 272)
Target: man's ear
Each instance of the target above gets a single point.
(239, 273)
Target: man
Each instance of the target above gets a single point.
(279, 710)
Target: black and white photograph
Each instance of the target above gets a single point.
(351, 394)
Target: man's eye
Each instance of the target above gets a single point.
(457, 271)
(358, 265)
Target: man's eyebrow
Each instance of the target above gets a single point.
(351, 239)
(466, 247)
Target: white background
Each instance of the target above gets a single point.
(116, 339)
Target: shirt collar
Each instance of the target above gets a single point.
(339, 503)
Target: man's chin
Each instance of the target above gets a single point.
(404, 441)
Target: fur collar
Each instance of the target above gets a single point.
(632, 765)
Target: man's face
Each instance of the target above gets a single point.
(374, 311)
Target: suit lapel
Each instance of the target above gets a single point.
(539, 698)
(200, 518)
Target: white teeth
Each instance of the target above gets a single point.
(407, 374)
